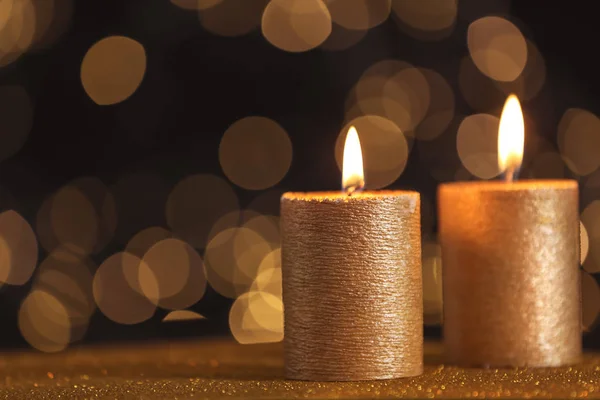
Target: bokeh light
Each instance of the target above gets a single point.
(359, 14)
(145, 239)
(584, 242)
(44, 322)
(497, 47)
(116, 297)
(384, 149)
(68, 277)
(18, 249)
(16, 113)
(590, 218)
(296, 25)
(477, 145)
(590, 299)
(425, 20)
(113, 69)
(182, 315)
(531, 80)
(256, 317)
(579, 140)
(231, 17)
(179, 273)
(255, 153)
(196, 203)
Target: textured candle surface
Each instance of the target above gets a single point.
(352, 286)
(510, 254)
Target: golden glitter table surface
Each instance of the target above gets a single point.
(219, 368)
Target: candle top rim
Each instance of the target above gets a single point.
(339, 195)
(519, 185)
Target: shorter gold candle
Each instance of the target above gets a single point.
(510, 261)
(352, 289)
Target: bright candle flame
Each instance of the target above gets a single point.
(511, 137)
(353, 177)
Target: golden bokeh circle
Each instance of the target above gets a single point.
(384, 149)
(196, 203)
(232, 18)
(255, 153)
(477, 145)
(584, 243)
(142, 241)
(497, 47)
(18, 249)
(579, 140)
(182, 315)
(44, 322)
(115, 296)
(256, 317)
(426, 21)
(359, 14)
(179, 272)
(113, 69)
(296, 25)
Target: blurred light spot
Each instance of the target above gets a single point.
(113, 69)
(425, 20)
(392, 89)
(103, 202)
(52, 19)
(579, 140)
(296, 25)
(73, 220)
(140, 199)
(196, 4)
(145, 239)
(359, 14)
(590, 218)
(341, 38)
(497, 47)
(16, 115)
(531, 80)
(196, 203)
(441, 107)
(233, 258)
(269, 277)
(432, 284)
(114, 295)
(590, 299)
(384, 149)
(256, 317)
(68, 277)
(548, 165)
(44, 322)
(232, 17)
(477, 145)
(18, 249)
(255, 153)
(267, 226)
(584, 242)
(18, 30)
(182, 315)
(179, 272)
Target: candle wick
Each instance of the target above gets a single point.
(511, 174)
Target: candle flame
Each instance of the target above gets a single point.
(511, 137)
(353, 177)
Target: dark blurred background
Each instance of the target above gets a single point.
(144, 145)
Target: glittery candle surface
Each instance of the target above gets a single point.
(511, 282)
(352, 285)
(217, 369)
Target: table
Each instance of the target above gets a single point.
(217, 368)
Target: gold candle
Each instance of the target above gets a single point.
(510, 256)
(352, 286)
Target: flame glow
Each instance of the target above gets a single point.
(511, 136)
(353, 177)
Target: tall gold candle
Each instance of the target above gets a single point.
(510, 258)
(352, 288)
